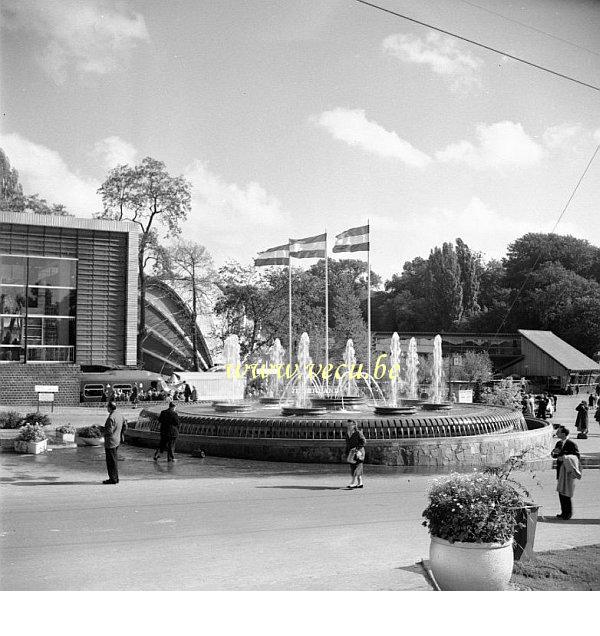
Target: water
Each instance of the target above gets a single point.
(350, 388)
(231, 355)
(437, 373)
(395, 354)
(412, 370)
(302, 399)
(276, 361)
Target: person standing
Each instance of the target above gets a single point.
(567, 458)
(113, 428)
(187, 392)
(169, 431)
(355, 453)
(581, 423)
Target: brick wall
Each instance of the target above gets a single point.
(17, 383)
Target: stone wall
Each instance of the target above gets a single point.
(18, 381)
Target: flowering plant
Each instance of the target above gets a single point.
(37, 418)
(90, 431)
(31, 433)
(65, 429)
(473, 508)
(10, 419)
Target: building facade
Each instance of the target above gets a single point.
(68, 298)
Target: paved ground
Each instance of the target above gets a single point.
(227, 524)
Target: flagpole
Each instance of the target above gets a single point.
(369, 301)
(326, 309)
(290, 301)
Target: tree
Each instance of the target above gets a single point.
(189, 267)
(473, 367)
(444, 286)
(347, 320)
(149, 196)
(470, 274)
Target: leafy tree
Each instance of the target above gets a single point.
(473, 367)
(149, 196)
(444, 286)
(188, 266)
(348, 320)
(470, 274)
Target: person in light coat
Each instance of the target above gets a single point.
(567, 471)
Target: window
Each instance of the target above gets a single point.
(37, 308)
(93, 390)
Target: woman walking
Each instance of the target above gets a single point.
(355, 453)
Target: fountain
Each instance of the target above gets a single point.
(472, 435)
(275, 381)
(301, 383)
(412, 374)
(392, 407)
(437, 380)
(231, 355)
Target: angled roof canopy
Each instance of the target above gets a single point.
(561, 351)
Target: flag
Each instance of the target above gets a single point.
(310, 247)
(355, 239)
(279, 255)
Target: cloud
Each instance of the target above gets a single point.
(559, 135)
(355, 129)
(87, 35)
(114, 151)
(43, 171)
(500, 145)
(443, 55)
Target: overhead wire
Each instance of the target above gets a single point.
(479, 44)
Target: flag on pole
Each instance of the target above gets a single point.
(310, 247)
(279, 255)
(355, 239)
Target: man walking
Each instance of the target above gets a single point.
(169, 431)
(113, 429)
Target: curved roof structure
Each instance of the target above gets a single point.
(168, 343)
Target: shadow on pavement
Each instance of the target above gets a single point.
(306, 487)
(583, 522)
(55, 483)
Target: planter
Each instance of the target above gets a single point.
(525, 535)
(31, 448)
(471, 567)
(89, 441)
(65, 438)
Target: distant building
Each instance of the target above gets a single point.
(540, 356)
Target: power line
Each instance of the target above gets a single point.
(531, 28)
(539, 257)
(479, 44)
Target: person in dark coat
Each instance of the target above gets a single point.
(355, 453)
(113, 429)
(542, 404)
(581, 423)
(169, 431)
(187, 392)
(563, 447)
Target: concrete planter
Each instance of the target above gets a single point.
(65, 438)
(31, 448)
(89, 441)
(471, 567)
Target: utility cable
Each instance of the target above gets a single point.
(479, 44)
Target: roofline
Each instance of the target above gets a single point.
(551, 356)
(73, 222)
(448, 333)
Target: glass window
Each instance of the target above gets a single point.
(12, 300)
(11, 354)
(50, 354)
(13, 270)
(50, 331)
(11, 330)
(52, 271)
(51, 302)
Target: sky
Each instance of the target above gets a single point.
(295, 118)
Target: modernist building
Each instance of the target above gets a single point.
(540, 356)
(68, 298)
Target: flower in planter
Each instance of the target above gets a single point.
(65, 429)
(31, 433)
(11, 419)
(90, 431)
(37, 418)
(472, 508)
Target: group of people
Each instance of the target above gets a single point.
(182, 393)
(541, 406)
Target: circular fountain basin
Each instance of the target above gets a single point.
(436, 406)
(394, 410)
(302, 410)
(338, 402)
(411, 401)
(231, 407)
(269, 400)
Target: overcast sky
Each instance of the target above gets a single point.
(295, 117)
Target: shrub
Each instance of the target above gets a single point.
(65, 428)
(37, 418)
(506, 393)
(474, 508)
(31, 433)
(90, 431)
(10, 419)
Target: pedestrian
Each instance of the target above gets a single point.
(542, 407)
(531, 400)
(355, 453)
(581, 423)
(187, 392)
(592, 400)
(169, 431)
(194, 395)
(113, 429)
(567, 458)
(549, 408)
(133, 396)
(597, 414)
(577, 389)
